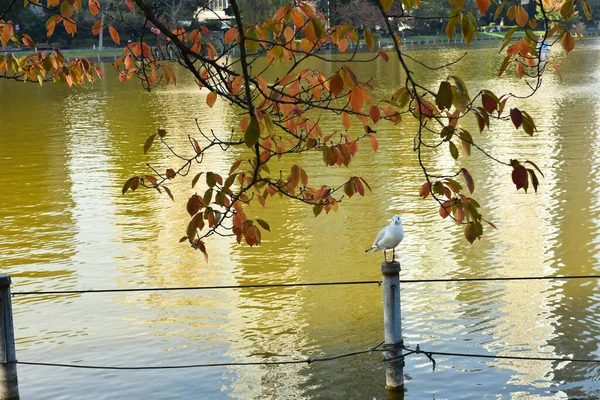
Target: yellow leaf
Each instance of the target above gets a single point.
(386, 4)
(211, 98)
(369, 39)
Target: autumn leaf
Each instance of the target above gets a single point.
(94, 6)
(114, 34)
(386, 4)
(567, 41)
(519, 177)
(468, 179)
(346, 120)
(230, 35)
(483, 5)
(516, 117)
(521, 16)
(211, 98)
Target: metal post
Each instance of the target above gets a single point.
(9, 385)
(392, 326)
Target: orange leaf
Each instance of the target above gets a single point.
(483, 6)
(97, 28)
(7, 32)
(567, 42)
(375, 113)
(94, 6)
(114, 34)
(336, 84)
(374, 143)
(557, 71)
(384, 55)
(522, 16)
(130, 5)
(230, 35)
(345, 120)
(297, 18)
(520, 70)
(29, 43)
(211, 98)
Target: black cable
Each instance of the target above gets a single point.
(561, 359)
(276, 285)
(155, 289)
(226, 364)
(516, 278)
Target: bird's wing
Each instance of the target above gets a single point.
(380, 236)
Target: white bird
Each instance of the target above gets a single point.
(388, 238)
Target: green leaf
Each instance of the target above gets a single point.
(460, 85)
(148, 143)
(210, 179)
(453, 150)
(317, 209)
(252, 133)
(197, 223)
(535, 166)
(471, 232)
(443, 99)
(264, 224)
(126, 186)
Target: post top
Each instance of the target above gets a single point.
(4, 280)
(390, 267)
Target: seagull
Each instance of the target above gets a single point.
(388, 238)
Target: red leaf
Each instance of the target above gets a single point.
(468, 179)
(516, 117)
(375, 113)
(483, 6)
(519, 176)
(488, 103)
(384, 55)
(359, 186)
(425, 190)
(194, 204)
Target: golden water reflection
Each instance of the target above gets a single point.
(66, 226)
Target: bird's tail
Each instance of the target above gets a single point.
(372, 249)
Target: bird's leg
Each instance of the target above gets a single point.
(393, 255)
(385, 255)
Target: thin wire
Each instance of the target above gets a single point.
(536, 358)
(155, 289)
(225, 364)
(276, 285)
(516, 278)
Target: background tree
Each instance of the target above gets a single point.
(280, 117)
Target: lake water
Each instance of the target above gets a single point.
(65, 154)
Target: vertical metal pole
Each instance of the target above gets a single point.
(9, 385)
(392, 326)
